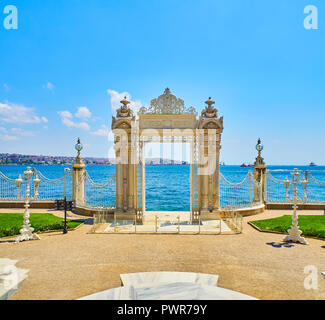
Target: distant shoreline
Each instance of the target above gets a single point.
(153, 164)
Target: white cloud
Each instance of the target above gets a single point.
(14, 113)
(65, 114)
(83, 113)
(83, 126)
(49, 86)
(103, 131)
(21, 132)
(117, 97)
(14, 134)
(6, 137)
(66, 118)
(44, 120)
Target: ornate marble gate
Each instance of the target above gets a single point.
(167, 120)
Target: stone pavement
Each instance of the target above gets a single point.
(253, 263)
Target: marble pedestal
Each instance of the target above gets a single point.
(11, 278)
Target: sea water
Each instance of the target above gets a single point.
(167, 187)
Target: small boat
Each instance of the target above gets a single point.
(312, 164)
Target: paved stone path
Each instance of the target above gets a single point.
(254, 263)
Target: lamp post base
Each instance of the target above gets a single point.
(27, 234)
(295, 238)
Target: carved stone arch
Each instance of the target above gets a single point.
(167, 120)
(124, 125)
(211, 125)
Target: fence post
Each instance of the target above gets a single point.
(78, 177)
(259, 175)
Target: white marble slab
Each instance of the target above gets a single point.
(160, 277)
(6, 264)
(11, 278)
(120, 293)
(169, 291)
(188, 291)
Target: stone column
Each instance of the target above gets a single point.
(211, 126)
(131, 171)
(119, 177)
(122, 126)
(259, 175)
(143, 182)
(78, 177)
(204, 174)
(216, 187)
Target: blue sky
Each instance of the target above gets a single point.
(66, 66)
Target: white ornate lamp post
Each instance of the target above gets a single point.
(26, 232)
(294, 234)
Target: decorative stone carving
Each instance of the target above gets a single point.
(167, 103)
(209, 117)
(209, 111)
(124, 116)
(124, 111)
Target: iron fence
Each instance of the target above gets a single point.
(244, 194)
(275, 189)
(98, 195)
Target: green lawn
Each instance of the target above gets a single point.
(308, 224)
(11, 223)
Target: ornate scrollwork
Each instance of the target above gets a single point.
(167, 103)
